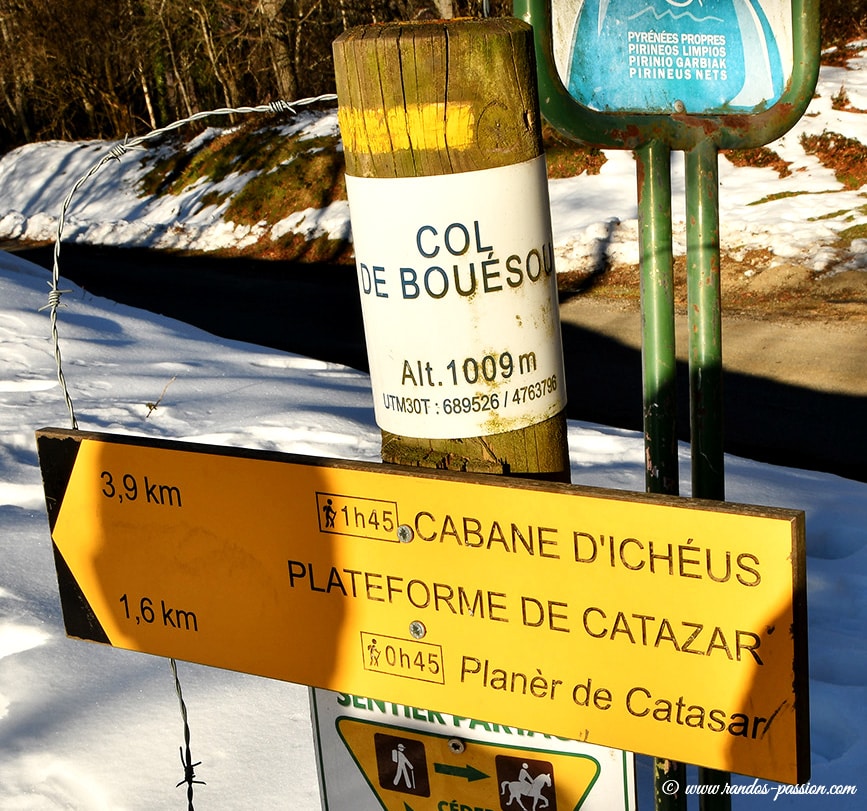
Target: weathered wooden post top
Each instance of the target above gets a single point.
(451, 223)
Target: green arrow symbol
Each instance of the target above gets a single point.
(470, 773)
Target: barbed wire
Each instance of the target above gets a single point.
(115, 154)
(186, 752)
(54, 303)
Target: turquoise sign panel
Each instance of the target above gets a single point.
(658, 56)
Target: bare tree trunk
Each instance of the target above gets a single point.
(179, 79)
(208, 39)
(299, 36)
(146, 93)
(138, 62)
(281, 56)
(16, 100)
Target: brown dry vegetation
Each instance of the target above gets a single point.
(751, 282)
(790, 292)
(292, 175)
(565, 158)
(748, 287)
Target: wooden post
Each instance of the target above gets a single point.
(420, 100)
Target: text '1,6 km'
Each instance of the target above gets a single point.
(655, 624)
(149, 611)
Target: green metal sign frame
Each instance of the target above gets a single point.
(617, 130)
(653, 136)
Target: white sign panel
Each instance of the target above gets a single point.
(376, 755)
(459, 297)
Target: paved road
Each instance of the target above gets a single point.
(794, 394)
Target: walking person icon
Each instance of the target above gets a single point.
(404, 772)
(401, 764)
(330, 514)
(374, 653)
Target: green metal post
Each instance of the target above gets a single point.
(659, 363)
(705, 320)
(653, 161)
(705, 359)
(652, 135)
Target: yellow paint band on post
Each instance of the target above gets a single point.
(432, 126)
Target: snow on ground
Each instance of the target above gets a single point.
(109, 210)
(88, 727)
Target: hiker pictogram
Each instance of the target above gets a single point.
(404, 773)
(401, 764)
(374, 654)
(330, 513)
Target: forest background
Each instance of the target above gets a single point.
(109, 69)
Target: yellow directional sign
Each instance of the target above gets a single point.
(421, 771)
(661, 625)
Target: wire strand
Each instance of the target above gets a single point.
(115, 154)
(186, 752)
(55, 295)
